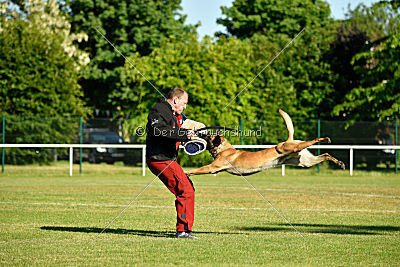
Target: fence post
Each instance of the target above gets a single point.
(144, 161)
(351, 161)
(319, 135)
(4, 141)
(71, 159)
(241, 131)
(396, 143)
(81, 142)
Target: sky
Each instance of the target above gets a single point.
(207, 12)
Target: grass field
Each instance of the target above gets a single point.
(49, 218)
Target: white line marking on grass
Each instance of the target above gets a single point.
(354, 194)
(63, 204)
(203, 208)
(332, 193)
(348, 210)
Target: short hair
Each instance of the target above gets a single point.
(176, 92)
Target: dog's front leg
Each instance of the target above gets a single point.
(210, 168)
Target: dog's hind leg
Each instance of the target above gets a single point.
(289, 147)
(307, 159)
(302, 145)
(326, 156)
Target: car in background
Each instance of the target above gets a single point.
(104, 154)
(373, 158)
(387, 156)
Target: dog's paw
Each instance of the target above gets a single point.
(341, 164)
(323, 140)
(326, 140)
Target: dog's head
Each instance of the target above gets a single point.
(214, 140)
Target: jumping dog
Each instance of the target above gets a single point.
(237, 162)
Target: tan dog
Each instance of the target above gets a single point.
(291, 152)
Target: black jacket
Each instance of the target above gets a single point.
(163, 132)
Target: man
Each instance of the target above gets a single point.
(162, 143)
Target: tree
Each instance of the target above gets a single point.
(375, 92)
(132, 26)
(302, 64)
(211, 72)
(272, 17)
(39, 63)
(39, 68)
(378, 96)
(349, 41)
(377, 21)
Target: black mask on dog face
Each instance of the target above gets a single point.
(213, 141)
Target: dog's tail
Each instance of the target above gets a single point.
(289, 124)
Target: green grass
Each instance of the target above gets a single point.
(49, 218)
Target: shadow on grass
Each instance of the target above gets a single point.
(328, 229)
(165, 234)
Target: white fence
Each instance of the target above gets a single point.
(72, 146)
(351, 149)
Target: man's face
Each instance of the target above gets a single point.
(180, 103)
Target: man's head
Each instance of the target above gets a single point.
(178, 98)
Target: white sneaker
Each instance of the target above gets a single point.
(189, 235)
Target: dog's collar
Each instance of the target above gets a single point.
(279, 152)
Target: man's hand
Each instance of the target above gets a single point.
(191, 134)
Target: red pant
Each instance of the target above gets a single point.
(175, 179)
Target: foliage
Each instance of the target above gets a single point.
(39, 77)
(38, 65)
(300, 69)
(132, 26)
(46, 15)
(271, 17)
(349, 41)
(211, 72)
(375, 94)
(376, 21)
(379, 93)
(36, 77)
